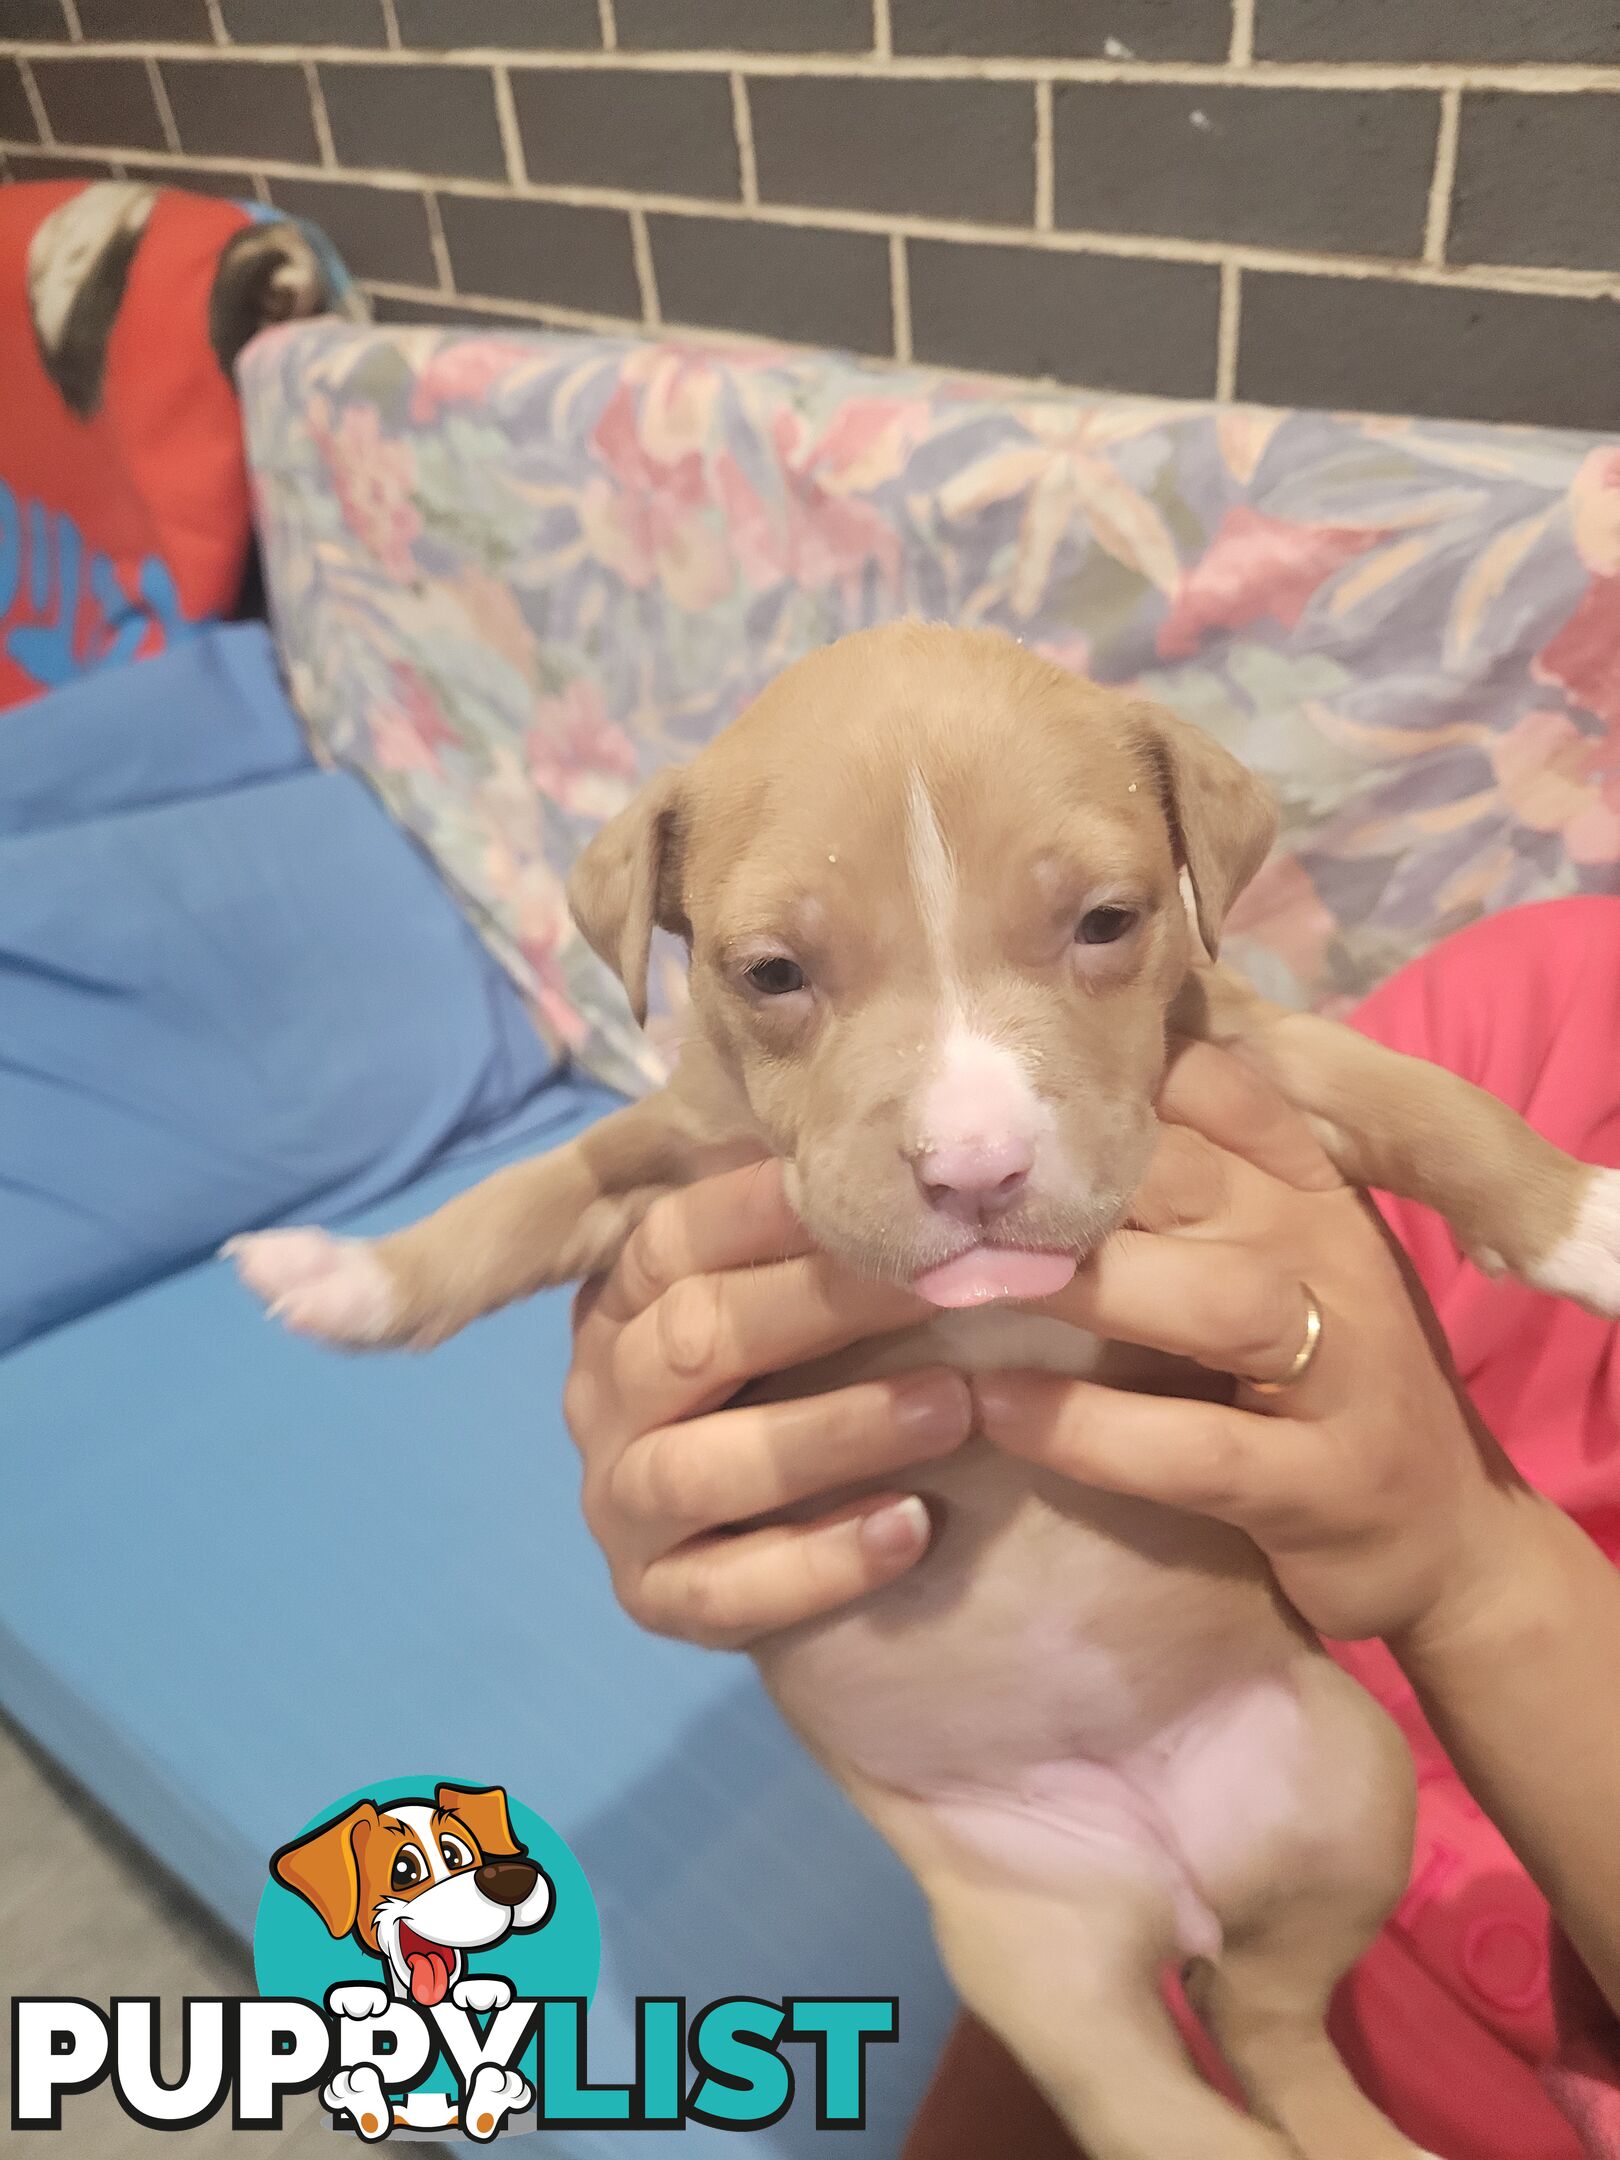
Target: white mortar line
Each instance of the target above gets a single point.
(646, 276)
(36, 105)
(1241, 53)
(511, 134)
(742, 121)
(70, 8)
(882, 31)
(261, 188)
(1549, 78)
(438, 243)
(391, 27)
(1226, 338)
(1438, 223)
(1044, 163)
(610, 28)
(216, 20)
(1474, 277)
(317, 106)
(900, 295)
(160, 98)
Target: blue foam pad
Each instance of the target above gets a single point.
(244, 1576)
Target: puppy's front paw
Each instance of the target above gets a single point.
(481, 1992)
(492, 2096)
(359, 2094)
(333, 1288)
(1585, 1265)
(357, 1999)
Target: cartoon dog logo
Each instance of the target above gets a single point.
(419, 1884)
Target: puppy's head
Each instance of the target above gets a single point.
(420, 1883)
(933, 891)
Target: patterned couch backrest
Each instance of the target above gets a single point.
(512, 576)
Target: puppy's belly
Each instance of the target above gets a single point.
(1046, 1677)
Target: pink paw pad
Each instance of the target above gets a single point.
(317, 1284)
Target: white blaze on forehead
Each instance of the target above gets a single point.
(933, 876)
(979, 1094)
(419, 1819)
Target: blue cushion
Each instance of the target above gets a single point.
(233, 992)
(245, 1576)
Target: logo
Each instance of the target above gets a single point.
(427, 1951)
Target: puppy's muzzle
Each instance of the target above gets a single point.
(507, 1882)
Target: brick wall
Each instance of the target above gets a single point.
(1398, 205)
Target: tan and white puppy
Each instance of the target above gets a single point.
(948, 905)
(419, 1884)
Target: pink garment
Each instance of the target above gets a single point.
(1468, 2020)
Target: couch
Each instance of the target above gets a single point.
(507, 577)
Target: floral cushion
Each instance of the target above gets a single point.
(511, 576)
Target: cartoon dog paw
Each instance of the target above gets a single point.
(492, 2096)
(481, 1992)
(359, 1999)
(359, 2094)
(333, 1288)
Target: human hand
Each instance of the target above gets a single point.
(719, 1285)
(1381, 1504)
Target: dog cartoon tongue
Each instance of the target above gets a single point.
(430, 1967)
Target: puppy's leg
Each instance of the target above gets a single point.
(1297, 1910)
(1517, 1203)
(555, 1219)
(1060, 1954)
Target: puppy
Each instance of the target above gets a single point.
(419, 1884)
(948, 906)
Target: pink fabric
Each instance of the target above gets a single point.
(1466, 2018)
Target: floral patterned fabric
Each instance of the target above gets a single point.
(512, 576)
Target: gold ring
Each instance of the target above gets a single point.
(1306, 1355)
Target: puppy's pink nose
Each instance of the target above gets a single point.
(973, 1180)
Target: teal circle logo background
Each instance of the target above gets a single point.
(294, 1955)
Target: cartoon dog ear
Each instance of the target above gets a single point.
(1223, 821)
(624, 886)
(323, 1867)
(483, 1810)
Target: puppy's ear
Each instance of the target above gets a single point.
(323, 1867)
(483, 1810)
(624, 886)
(1223, 821)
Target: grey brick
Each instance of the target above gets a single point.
(1078, 29)
(445, 314)
(242, 109)
(1098, 320)
(145, 22)
(20, 166)
(415, 119)
(518, 25)
(100, 101)
(42, 19)
(1500, 30)
(501, 249)
(1538, 180)
(813, 288)
(16, 114)
(305, 22)
(745, 25)
(1336, 169)
(938, 149)
(379, 232)
(203, 180)
(1375, 345)
(666, 134)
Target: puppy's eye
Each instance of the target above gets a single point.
(455, 1853)
(776, 977)
(408, 1869)
(1105, 925)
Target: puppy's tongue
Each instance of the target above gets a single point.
(987, 1272)
(430, 1976)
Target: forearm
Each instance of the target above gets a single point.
(1521, 1682)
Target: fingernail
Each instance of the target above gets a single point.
(898, 1531)
(936, 1407)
